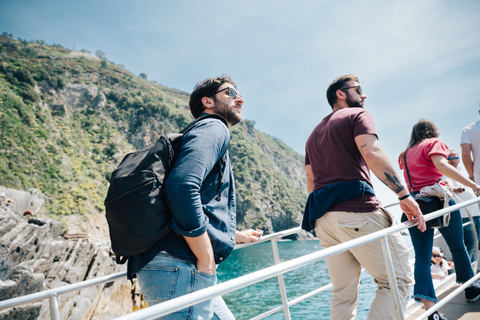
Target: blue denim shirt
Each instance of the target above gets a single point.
(321, 200)
(191, 190)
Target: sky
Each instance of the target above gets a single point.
(414, 58)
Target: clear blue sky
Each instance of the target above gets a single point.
(415, 59)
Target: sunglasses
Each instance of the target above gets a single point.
(451, 158)
(359, 89)
(436, 256)
(231, 92)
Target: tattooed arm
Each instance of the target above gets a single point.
(378, 161)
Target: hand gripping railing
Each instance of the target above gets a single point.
(249, 279)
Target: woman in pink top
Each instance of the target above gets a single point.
(426, 158)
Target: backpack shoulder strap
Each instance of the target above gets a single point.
(220, 165)
(222, 159)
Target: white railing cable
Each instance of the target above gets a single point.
(448, 298)
(243, 281)
(269, 237)
(42, 295)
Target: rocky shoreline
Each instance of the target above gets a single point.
(35, 256)
(38, 254)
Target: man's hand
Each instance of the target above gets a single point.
(206, 265)
(412, 210)
(458, 189)
(248, 235)
(202, 249)
(450, 186)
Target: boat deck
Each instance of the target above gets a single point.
(457, 309)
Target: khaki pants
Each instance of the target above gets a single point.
(337, 227)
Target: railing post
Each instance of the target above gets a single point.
(281, 282)
(54, 309)
(392, 279)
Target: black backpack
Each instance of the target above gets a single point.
(136, 209)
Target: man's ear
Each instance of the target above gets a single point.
(208, 102)
(341, 95)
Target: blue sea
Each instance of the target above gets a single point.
(251, 301)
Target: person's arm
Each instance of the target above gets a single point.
(467, 159)
(248, 235)
(448, 170)
(452, 187)
(202, 249)
(201, 148)
(310, 178)
(378, 161)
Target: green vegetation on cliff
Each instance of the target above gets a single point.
(67, 118)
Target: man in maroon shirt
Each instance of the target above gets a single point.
(342, 205)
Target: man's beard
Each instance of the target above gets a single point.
(229, 114)
(353, 103)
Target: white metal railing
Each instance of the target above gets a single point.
(277, 270)
(52, 294)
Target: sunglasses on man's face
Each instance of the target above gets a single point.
(230, 91)
(451, 158)
(436, 256)
(359, 89)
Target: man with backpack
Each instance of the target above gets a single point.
(200, 193)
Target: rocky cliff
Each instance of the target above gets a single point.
(35, 256)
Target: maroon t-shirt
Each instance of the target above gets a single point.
(334, 156)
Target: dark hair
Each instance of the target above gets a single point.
(206, 88)
(337, 84)
(423, 129)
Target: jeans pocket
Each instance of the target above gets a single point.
(353, 224)
(158, 283)
(204, 280)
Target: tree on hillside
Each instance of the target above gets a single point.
(143, 76)
(100, 54)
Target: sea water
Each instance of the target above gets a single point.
(253, 300)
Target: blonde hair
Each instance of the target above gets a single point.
(437, 250)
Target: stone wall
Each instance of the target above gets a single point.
(20, 201)
(35, 257)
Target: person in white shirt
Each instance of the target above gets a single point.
(462, 193)
(470, 142)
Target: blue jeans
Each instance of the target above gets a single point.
(469, 238)
(423, 243)
(167, 277)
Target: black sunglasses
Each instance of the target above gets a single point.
(231, 92)
(359, 91)
(436, 256)
(451, 158)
